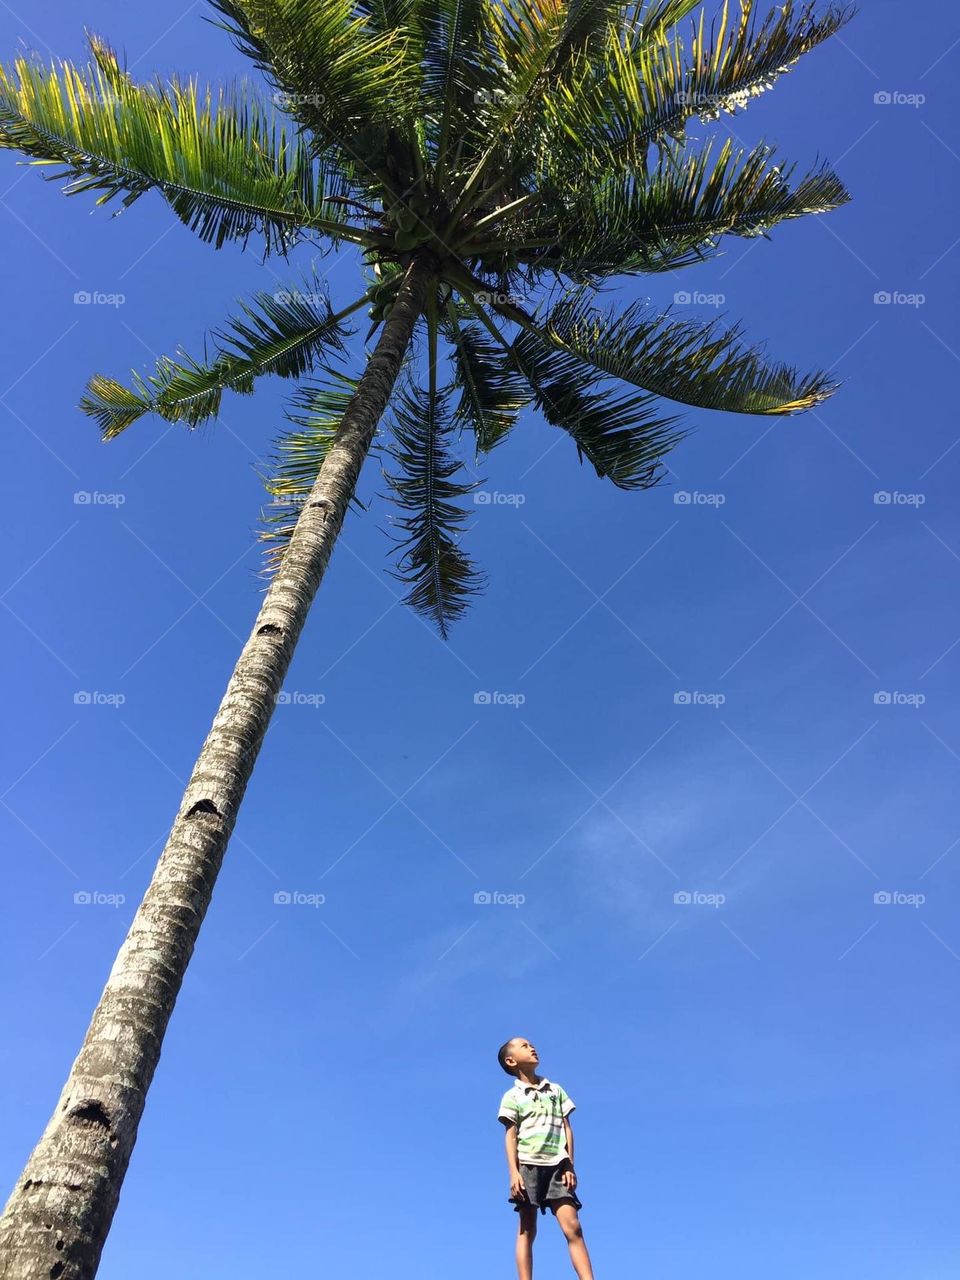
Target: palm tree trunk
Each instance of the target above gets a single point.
(56, 1221)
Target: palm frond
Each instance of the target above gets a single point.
(653, 17)
(536, 46)
(459, 59)
(441, 578)
(286, 333)
(222, 163)
(624, 436)
(335, 68)
(652, 86)
(690, 361)
(492, 392)
(316, 411)
(678, 214)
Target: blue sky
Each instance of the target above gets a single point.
(765, 1074)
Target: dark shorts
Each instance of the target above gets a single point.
(544, 1186)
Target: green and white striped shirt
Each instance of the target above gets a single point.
(538, 1111)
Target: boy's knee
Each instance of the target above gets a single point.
(528, 1225)
(572, 1230)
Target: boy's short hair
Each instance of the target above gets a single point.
(504, 1054)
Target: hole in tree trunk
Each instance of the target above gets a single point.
(57, 1269)
(270, 629)
(90, 1113)
(203, 806)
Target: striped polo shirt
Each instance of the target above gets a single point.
(538, 1111)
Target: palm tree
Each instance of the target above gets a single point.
(496, 162)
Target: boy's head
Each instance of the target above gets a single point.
(517, 1053)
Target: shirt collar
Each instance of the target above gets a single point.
(527, 1088)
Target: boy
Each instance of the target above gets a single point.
(539, 1142)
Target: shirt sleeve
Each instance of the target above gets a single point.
(567, 1104)
(509, 1110)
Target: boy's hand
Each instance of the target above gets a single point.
(569, 1179)
(517, 1186)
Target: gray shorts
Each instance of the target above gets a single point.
(544, 1187)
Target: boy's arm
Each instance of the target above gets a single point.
(568, 1175)
(517, 1187)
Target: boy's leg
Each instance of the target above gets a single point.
(569, 1219)
(526, 1234)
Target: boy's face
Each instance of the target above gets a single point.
(522, 1054)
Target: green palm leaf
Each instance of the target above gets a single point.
(689, 361)
(441, 578)
(623, 436)
(460, 73)
(675, 215)
(492, 393)
(653, 85)
(216, 156)
(286, 333)
(316, 411)
(656, 16)
(334, 68)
